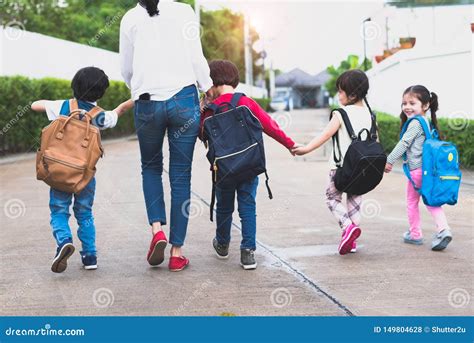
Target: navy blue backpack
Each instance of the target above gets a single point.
(235, 140)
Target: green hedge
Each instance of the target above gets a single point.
(20, 127)
(460, 133)
(264, 103)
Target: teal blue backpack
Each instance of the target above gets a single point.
(440, 164)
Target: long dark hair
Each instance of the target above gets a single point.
(151, 6)
(426, 98)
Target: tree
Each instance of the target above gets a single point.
(97, 23)
(351, 62)
(223, 38)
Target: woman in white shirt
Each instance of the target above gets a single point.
(161, 61)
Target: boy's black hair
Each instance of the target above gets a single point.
(354, 83)
(89, 84)
(224, 72)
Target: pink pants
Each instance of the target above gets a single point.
(413, 211)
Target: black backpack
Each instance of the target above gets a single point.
(364, 162)
(235, 140)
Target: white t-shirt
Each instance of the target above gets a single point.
(104, 120)
(360, 119)
(161, 55)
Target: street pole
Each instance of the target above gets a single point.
(247, 52)
(365, 48)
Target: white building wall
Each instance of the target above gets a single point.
(447, 73)
(36, 56)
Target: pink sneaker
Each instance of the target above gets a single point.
(354, 247)
(349, 235)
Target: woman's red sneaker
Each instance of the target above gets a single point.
(178, 263)
(156, 253)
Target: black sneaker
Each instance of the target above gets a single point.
(89, 262)
(63, 252)
(247, 259)
(222, 250)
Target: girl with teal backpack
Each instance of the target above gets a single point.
(430, 164)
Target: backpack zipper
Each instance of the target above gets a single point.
(64, 163)
(449, 177)
(229, 155)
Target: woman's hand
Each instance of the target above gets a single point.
(388, 167)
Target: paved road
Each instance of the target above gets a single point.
(299, 273)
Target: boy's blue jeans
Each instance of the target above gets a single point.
(59, 203)
(246, 194)
(178, 118)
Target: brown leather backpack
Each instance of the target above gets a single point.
(70, 149)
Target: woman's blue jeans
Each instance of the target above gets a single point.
(178, 117)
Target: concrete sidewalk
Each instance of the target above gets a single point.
(299, 273)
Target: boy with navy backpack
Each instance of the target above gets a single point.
(431, 166)
(232, 127)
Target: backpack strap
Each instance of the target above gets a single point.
(335, 137)
(94, 112)
(236, 98)
(427, 132)
(73, 105)
(373, 126)
(213, 195)
(347, 123)
(270, 194)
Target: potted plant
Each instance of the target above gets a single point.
(379, 58)
(387, 53)
(407, 42)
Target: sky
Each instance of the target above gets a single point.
(312, 35)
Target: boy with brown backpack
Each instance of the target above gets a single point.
(70, 149)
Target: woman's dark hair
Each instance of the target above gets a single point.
(151, 6)
(354, 83)
(89, 84)
(426, 98)
(224, 72)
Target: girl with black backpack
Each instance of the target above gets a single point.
(365, 163)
